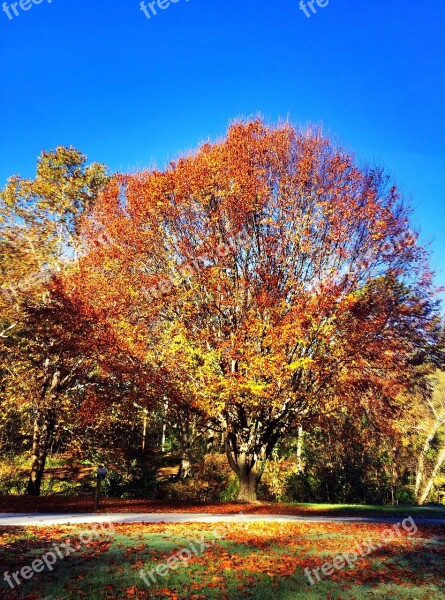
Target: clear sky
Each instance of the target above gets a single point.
(134, 92)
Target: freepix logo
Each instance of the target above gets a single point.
(15, 8)
(58, 552)
(362, 550)
(150, 9)
(305, 6)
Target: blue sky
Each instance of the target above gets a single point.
(133, 92)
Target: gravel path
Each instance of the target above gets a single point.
(20, 519)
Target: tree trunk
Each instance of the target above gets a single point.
(423, 454)
(248, 484)
(44, 425)
(299, 449)
(247, 472)
(393, 477)
(164, 425)
(144, 430)
(210, 439)
(129, 443)
(440, 461)
(185, 469)
(249, 445)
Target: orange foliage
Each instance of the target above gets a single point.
(269, 275)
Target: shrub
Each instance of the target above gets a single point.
(212, 480)
(273, 485)
(138, 484)
(404, 495)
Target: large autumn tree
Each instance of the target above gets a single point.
(273, 276)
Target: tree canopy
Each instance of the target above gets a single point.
(273, 277)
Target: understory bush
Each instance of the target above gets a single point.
(138, 483)
(212, 480)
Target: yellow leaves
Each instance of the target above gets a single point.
(350, 300)
(257, 389)
(304, 362)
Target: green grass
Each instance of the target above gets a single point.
(263, 561)
(434, 512)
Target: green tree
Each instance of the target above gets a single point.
(39, 225)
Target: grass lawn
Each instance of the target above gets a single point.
(263, 561)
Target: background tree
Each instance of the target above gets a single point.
(39, 237)
(430, 420)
